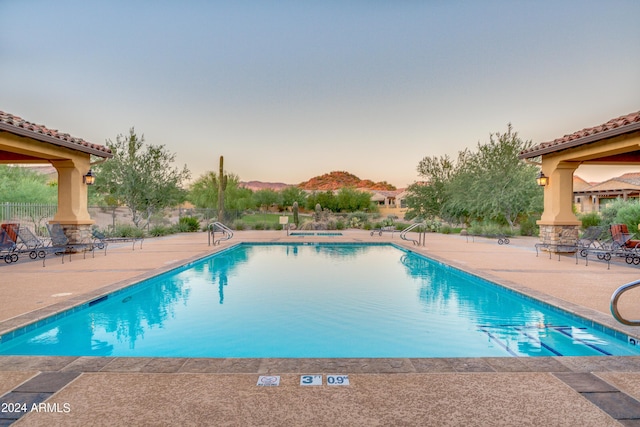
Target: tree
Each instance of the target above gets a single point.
(292, 194)
(426, 199)
(21, 185)
(488, 184)
(350, 200)
(142, 177)
(203, 193)
(265, 198)
(493, 184)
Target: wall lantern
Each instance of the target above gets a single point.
(542, 179)
(89, 178)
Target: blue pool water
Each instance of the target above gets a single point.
(315, 300)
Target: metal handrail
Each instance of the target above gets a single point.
(614, 303)
(421, 235)
(227, 233)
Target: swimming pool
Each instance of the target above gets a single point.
(315, 300)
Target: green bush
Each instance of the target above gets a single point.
(340, 225)
(239, 225)
(259, 226)
(489, 229)
(528, 227)
(629, 214)
(591, 219)
(160, 230)
(188, 224)
(127, 231)
(445, 229)
(357, 219)
(609, 211)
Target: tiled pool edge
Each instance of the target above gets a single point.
(88, 364)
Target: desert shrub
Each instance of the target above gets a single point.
(590, 219)
(528, 227)
(127, 231)
(445, 229)
(160, 230)
(259, 226)
(489, 229)
(357, 219)
(340, 224)
(610, 211)
(239, 225)
(629, 214)
(188, 224)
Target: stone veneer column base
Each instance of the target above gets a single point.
(559, 238)
(77, 233)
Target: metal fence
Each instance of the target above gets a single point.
(36, 216)
(32, 215)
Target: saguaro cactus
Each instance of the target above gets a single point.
(296, 219)
(222, 185)
(318, 215)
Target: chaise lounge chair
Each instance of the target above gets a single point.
(27, 242)
(101, 241)
(60, 243)
(625, 244)
(8, 247)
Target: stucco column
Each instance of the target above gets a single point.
(558, 224)
(72, 192)
(558, 194)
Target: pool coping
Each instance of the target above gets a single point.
(29, 321)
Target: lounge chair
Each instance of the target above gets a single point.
(620, 235)
(7, 247)
(592, 238)
(11, 230)
(27, 242)
(101, 241)
(60, 243)
(625, 244)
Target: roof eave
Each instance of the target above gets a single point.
(611, 133)
(51, 140)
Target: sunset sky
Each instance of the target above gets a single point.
(287, 90)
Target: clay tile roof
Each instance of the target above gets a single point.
(580, 184)
(18, 126)
(614, 127)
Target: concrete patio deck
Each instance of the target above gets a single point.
(586, 391)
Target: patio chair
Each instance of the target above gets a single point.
(27, 242)
(592, 238)
(60, 244)
(625, 244)
(101, 241)
(8, 247)
(620, 234)
(12, 230)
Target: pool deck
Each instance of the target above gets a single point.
(586, 391)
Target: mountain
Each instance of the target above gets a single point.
(259, 185)
(340, 179)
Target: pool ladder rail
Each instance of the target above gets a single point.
(227, 233)
(421, 234)
(614, 303)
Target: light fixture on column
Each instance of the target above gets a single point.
(542, 179)
(89, 178)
